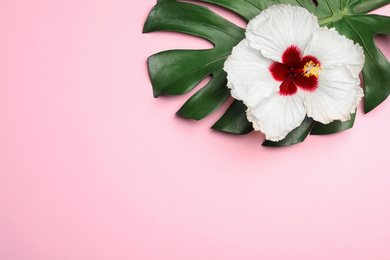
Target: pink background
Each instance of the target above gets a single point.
(93, 167)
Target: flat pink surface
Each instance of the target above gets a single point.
(93, 167)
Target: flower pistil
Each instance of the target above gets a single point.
(311, 69)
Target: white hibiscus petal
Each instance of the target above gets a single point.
(337, 96)
(333, 49)
(248, 75)
(277, 116)
(280, 26)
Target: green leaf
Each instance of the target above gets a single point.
(208, 99)
(234, 120)
(334, 127)
(177, 72)
(296, 136)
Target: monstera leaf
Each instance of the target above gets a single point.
(177, 72)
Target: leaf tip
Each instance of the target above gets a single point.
(268, 143)
(156, 93)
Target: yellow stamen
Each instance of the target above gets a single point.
(311, 69)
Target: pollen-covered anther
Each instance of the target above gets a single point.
(311, 69)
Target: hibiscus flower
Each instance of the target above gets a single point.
(288, 67)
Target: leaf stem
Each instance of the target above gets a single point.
(333, 18)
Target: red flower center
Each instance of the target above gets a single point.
(295, 72)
